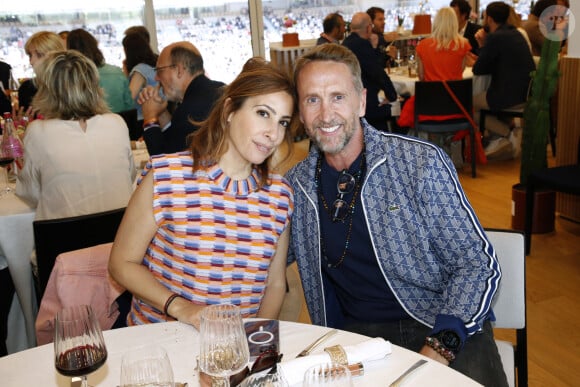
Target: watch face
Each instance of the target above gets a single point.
(450, 340)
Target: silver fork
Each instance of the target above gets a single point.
(398, 382)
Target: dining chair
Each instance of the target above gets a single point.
(435, 107)
(565, 179)
(55, 236)
(509, 304)
(130, 117)
(81, 277)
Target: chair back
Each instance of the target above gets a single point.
(444, 113)
(509, 304)
(432, 99)
(130, 117)
(55, 236)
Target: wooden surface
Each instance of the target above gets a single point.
(568, 129)
(553, 275)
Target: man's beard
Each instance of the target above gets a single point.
(332, 145)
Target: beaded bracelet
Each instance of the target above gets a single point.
(440, 349)
(168, 303)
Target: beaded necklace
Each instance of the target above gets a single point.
(351, 206)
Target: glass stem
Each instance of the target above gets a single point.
(84, 381)
(220, 382)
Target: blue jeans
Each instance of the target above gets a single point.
(479, 358)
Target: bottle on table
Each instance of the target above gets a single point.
(12, 151)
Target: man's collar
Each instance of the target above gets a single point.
(328, 38)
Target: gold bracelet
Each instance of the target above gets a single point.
(337, 354)
(151, 122)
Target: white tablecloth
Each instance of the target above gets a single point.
(35, 367)
(16, 244)
(405, 85)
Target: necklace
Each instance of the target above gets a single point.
(351, 207)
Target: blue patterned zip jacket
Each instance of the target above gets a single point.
(433, 253)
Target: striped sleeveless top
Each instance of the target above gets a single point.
(216, 235)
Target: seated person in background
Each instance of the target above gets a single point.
(516, 20)
(78, 159)
(139, 30)
(386, 53)
(374, 77)
(5, 75)
(505, 54)
(36, 47)
(111, 78)
(223, 191)
(440, 57)
(334, 29)
(140, 63)
(467, 29)
(182, 78)
(532, 25)
(381, 266)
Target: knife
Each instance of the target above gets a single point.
(316, 343)
(408, 372)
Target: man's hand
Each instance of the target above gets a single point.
(470, 59)
(480, 36)
(391, 36)
(151, 102)
(432, 354)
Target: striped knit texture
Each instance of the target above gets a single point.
(216, 235)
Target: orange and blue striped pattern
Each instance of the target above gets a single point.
(216, 235)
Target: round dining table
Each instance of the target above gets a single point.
(35, 367)
(16, 246)
(405, 85)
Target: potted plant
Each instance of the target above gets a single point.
(536, 129)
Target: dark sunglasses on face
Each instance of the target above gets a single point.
(266, 360)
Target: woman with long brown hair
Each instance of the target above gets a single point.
(210, 225)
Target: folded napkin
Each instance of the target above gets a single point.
(372, 349)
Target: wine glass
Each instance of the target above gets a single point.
(224, 347)
(79, 348)
(265, 380)
(146, 366)
(327, 374)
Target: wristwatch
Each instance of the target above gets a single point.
(449, 340)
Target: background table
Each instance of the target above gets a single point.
(182, 344)
(405, 85)
(16, 245)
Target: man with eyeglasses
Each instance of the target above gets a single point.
(182, 78)
(374, 77)
(386, 242)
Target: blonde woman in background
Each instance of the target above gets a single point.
(77, 160)
(442, 55)
(36, 47)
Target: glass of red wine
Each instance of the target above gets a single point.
(79, 348)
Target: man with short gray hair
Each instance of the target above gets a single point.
(182, 78)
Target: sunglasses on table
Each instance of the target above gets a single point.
(266, 361)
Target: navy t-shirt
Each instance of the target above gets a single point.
(355, 290)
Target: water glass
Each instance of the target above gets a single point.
(146, 366)
(327, 374)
